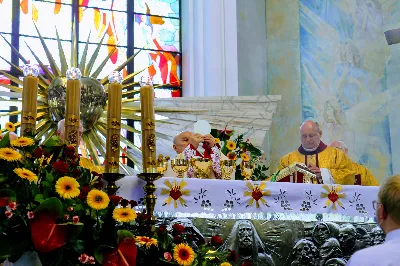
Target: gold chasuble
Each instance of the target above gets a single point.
(331, 158)
(367, 179)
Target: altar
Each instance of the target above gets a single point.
(285, 218)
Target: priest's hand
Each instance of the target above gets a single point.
(209, 140)
(315, 169)
(195, 140)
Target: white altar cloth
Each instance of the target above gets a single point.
(234, 199)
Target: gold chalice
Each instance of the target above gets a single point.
(162, 164)
(227, 168)
(247, 169)
(180, 166)
(201, 166)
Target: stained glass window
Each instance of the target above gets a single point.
(165, 8)
(5, 52)
(6, 16)
(48, 16)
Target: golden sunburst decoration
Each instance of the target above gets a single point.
(333, 196)
(256, 193)
(51, 96)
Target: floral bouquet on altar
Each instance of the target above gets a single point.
(242, 151)
(54, 210)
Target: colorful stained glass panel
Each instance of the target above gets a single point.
(47, 16)
(164, 67)
(36, 46)
(99, 22)
(166, 8)
(120, 5)
(116, 60)
(5, 52)
(157, 33)
(6, 16)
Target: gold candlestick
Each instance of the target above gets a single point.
(29, 99)
(148, 125)
(113, 122)
(73, 104)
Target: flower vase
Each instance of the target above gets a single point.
(29, 258)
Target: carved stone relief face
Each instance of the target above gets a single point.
(335, 262)
(330, 249)
(321, 233)
(305, 252)
(347, 237)
(245, 234)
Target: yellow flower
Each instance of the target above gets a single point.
(183, 254)
(217, 140)
(97, 199)
(244, 157)
(10, 154)
(225, 264)
(10, 127)
(124, 215)
(67, 187)
(22, 142)
(26, 174)
(146, 241)
(230, 145)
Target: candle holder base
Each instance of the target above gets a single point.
(150, 188)
(111, 178)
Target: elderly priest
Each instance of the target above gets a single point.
(329, 164)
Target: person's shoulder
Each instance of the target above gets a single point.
(381, 255)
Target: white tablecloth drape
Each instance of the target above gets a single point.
(230, 199)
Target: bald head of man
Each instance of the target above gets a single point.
(310, 135)
(340, 145)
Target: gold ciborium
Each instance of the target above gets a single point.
(162, 164)
(227, 168)
(180, 166)
(247, 169)
(202, 167)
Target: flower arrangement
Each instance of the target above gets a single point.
(241, 150)
(53, 203)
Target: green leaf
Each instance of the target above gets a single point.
(51, 204)
(78, 246)
(39, 198)
(7, 193)
(100, 251)
(78, 207)
(3, 178)
(123, 234)
(49, 176)
(5, 141)
(53, 141)
(46, 184)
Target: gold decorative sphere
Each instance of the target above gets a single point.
(93, 100)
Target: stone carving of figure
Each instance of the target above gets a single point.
(190, 228)
(246, 242)
(329, 250)
(324, 230)
(304, 253)
(377, 236)
(335, 262)
(347, 239)
(363, 238)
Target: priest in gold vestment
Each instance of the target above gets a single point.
(367, 179)
(316, 155)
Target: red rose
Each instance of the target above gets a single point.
(115, 199)
(247, 263)
(232, 255)
(38, 152)
(9, 214)
(46, 154)
(133, 203)
(178, 228)
(60, 167)
(30, 215)
(99, 184)
(124, 203)
(66, 216)
(12, 205)
(162, 229)
(69, 151)
(84, 192)
(75, 219)
(216, 241)
(76, 173)
(70, 209)
(167, 256)
(178, 240)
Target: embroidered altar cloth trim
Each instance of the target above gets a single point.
(233, 199)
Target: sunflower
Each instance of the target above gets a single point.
(146, 241)
(9, 154)
(67, 187)
(244, 157)
(22, 142)
(97, 199)
(225, 264)
(26, 174)
(231, 155)
(124, 215)
(183, 254)
(230, 145)
(217, 140)
(10, 127)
